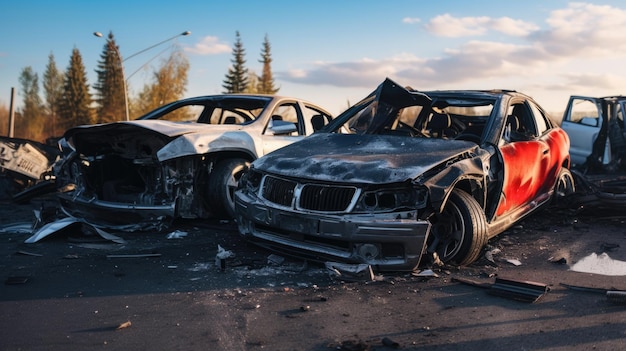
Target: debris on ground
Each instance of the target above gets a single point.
(612, 294)
(425, 273)
(68, 223)
(221, 256)
(600, 264)
(124, 325)
(514, 261)
(350, 272)
(524, 291)
(177, 234)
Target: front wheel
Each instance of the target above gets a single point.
(223, 183)
(459, 232)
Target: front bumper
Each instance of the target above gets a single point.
(381, 240)
(123, 216)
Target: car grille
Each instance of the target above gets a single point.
(279, 191)
(314, 197)
(326, 198)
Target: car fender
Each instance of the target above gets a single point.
(200, 144)
(443, 182)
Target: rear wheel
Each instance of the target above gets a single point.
(459, 232)
(223, 183)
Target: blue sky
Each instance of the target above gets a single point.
(336, 52)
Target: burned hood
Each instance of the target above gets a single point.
(361, 158)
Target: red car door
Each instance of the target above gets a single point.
(531, 153)
(525, 164)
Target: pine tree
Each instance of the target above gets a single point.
(253, 83)
(75, 105)
(236, 80)
(53, 90)
(110, 87)
(266, 83)
(169, 83)
(30, 126)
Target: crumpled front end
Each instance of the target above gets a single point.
(326, 222)
(114, 179)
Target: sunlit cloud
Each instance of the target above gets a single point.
(577, 35)
(448, 26)
(584, 30)
(209, 46)
(592, 81)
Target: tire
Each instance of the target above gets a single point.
(564, 186)
(459, 232)
(223, 182)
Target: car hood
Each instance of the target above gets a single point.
(150, 138)
(361, 158)
(166, 128)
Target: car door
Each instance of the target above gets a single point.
(582, 122)
(526, 159)
(283, 128)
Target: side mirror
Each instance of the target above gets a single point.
(281, 127)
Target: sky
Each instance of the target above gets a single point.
(334, 53)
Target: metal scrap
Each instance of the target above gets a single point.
(524, 291)
(63, 223)
(613, 295)
(351, 272)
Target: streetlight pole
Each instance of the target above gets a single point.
(121, 61)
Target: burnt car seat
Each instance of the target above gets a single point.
(438, 124)
(511, 126)
(317, 121)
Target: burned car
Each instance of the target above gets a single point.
(25, 165)
(405, 175)
(183, 160)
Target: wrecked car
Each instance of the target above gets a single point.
(25, 164)
(595, 126)
(183, 160)
(405, 175)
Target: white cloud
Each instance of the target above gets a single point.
(411, 20)
(209, 46)
(364, 73)
(584, 30)
(587, 81)
(448, 26)
(454, 27)
(579, 35)
(512, 27)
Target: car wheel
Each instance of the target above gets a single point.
(459, 232)
(223, 182)
(564, 185)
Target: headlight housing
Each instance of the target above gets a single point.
(390, 199)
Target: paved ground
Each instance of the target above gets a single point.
(160, 293)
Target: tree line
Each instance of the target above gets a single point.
(68, 100)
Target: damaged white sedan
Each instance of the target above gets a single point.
(183, 160)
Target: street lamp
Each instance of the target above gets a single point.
(119, 56)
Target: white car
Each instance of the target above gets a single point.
(182, 160)
(595, 126)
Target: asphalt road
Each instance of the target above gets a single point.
(165, 291)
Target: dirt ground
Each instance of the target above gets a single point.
(165, 291)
